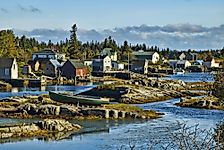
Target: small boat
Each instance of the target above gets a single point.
(77, 99)
(179, 71)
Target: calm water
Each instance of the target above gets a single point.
(118, 133)
(193, 77)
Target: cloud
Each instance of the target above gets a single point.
(44, 34)
(177, 36)
(29, 9)
(4, 10)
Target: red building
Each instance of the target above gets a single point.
(74, 68)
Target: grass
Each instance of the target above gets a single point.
(129, 108)
(123, 107)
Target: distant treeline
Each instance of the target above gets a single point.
(23, 47)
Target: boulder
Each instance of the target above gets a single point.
(49, 110)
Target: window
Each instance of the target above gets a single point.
(6, 71)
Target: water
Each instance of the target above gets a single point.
(122, 133)
(116, 134)
(193, 77)
(44, 90)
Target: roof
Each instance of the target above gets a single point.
(108, 51)
(141, 52)
(77, 63)
(46, 51)
(55, 63)
(182, 61)
(6, 62)
(100, 57)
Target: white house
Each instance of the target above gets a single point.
(8, 68)
(150, 56)
(211, 64)
(102, 64)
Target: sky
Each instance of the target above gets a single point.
(166, 23)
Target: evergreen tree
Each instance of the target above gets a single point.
(74, 45)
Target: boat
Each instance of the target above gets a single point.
(77, 99)
(179, 71)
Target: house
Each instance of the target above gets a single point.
(26, 69)
(183, 64)
(8, 68)
(150, 56)
(102, 64)
(117, 66)
(34, 64)
(182, 56)
(211, 64)
(74, 68)
(140, 66)
(52, 68)
(88, 63)
(42, 63)
(173, 63)
(109, 52)
(192, 56)
(198, 63)
(47, 54)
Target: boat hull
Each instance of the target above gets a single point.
(75, 99)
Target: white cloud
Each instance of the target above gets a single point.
(181, 36)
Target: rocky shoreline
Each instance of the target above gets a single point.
(44, 107)
(205, 102)
(50, 129)
(142, 89)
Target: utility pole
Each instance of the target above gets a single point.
(128, 61)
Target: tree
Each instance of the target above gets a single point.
(7, 44)
(74, 45)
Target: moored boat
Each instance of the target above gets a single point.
(179, 71)
(77, 99)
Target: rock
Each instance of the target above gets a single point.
(40, 98)
(28, 108)
(40, 128)
(56, 125)
(49, 110)
(181, 82)
(6, 135)
(15, 129)
(28, 128)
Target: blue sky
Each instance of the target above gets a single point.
(28, 15)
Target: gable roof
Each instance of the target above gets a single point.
(6, 62)
(55, 63)
(77, 63)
